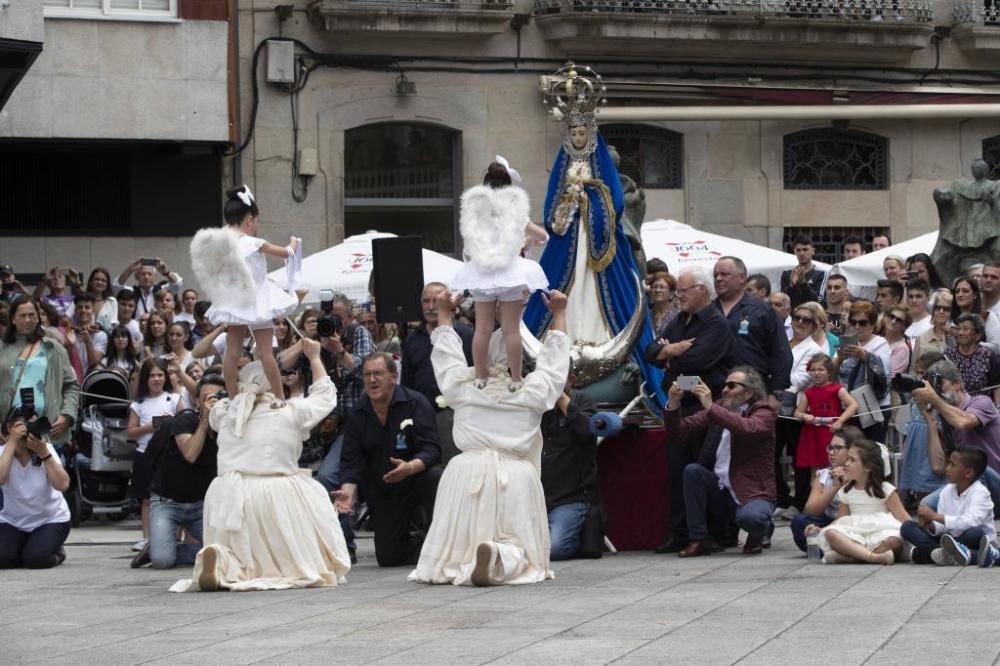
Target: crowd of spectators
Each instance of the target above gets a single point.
(786, 382)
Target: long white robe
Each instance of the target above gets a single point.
(272, 525)
(492, 491)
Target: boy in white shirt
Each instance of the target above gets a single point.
(961, 530)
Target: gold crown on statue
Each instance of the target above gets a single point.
(575, 92)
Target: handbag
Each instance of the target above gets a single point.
(592, 534)
(869, 411)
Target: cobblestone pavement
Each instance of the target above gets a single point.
(631, 608)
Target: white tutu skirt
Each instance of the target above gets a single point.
(867, 529)
(520, 275)
(285, 534)
(271, 303)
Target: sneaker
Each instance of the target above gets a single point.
(486, 561)
(906, 553)
(959, 553)
(940, 558)
(988, 553)
(139, 545)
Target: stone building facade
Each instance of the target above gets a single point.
(111, 145)
(405, 102)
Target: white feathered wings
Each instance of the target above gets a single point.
(221, 271)
(492, 223)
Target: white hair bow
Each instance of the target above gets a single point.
(246, 196)
(502, 161)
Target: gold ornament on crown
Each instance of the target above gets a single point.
(577, 94)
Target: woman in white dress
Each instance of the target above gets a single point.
(267, 524)
(232, 269)
(490, 526)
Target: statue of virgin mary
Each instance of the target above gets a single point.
(588, 256)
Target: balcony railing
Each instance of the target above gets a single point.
(445, 18)
(897, 11)
(979, 12)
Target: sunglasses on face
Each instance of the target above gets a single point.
(733, 385)
(942, 308)
(859, 322)
(898, 320)
(803, 320)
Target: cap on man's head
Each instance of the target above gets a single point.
(5, 269)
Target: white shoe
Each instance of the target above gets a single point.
(940, 558)
(479, 383)
(487, 556)
(139, 545)
(515, 386)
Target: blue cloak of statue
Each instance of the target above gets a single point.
(610, 257)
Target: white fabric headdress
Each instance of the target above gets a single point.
(253, 383)
(246, 196)
(514, 174)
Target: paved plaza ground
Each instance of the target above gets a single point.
(631, 608)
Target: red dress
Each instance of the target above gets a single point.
(813, 439)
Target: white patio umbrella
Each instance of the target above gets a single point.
(681, 245)
(863, 272)
(345, 268)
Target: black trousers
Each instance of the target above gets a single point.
(393, 514)
(38, 549)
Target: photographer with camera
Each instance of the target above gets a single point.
(958, 420)
(30, 360)
(345, 345)
(34, 520)
(144, 269)
(184, 465)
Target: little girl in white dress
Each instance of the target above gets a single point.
(871, 513)
(494, 223)
(232, 270)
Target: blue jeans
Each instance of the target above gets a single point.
(990, 479)
(799, 524)
(165, 516)
(565, 524)
(924, 542)
(702, 495)
(329, 470)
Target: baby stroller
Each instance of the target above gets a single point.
(102, 465)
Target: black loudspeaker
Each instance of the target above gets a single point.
(399, 279)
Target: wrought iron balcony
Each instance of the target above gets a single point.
(899, 11)
(976, 25)
(859, 30)
(459, 18)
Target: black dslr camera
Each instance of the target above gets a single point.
(39, 427)
(907, 383)
(328, 326)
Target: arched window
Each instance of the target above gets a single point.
(652, 156)
(991, 153)
(833, 159)
(400, 178)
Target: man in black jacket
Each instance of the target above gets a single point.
(184, 466)
(569, 468)
(804, 283)
(760, 337)
(697, 342)
(391, 450)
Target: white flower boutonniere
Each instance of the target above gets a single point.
(405, 424)
(440, 402)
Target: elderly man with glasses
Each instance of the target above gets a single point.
(734, 476)
(698, 342)
(391, 450)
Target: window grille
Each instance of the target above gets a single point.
(832, 159)
(651, 156)
(991, 153)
